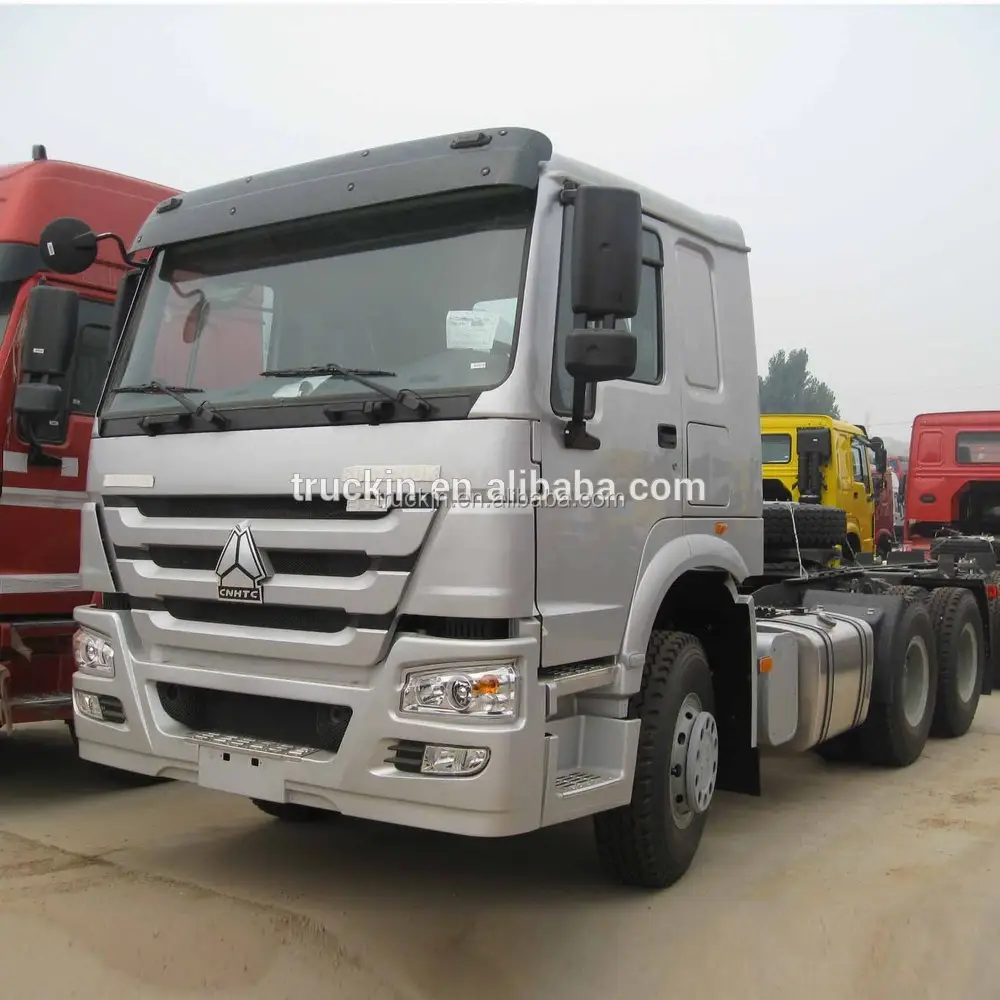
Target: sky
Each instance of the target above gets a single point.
(859, 148)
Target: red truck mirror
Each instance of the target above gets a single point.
(68, 246)
(46, 350)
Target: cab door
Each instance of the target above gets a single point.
(861, 513)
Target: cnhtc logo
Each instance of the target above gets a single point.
(242, 568)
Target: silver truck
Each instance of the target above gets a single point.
(469, 308)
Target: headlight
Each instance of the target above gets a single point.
(480, 692)
(93, 655)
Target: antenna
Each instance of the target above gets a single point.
(38, 153)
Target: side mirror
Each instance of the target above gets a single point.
(881, 455)
(600, 355)
(607, 252)
(49, 331)
(606, 274)
(46, 350)
(35, 400)
(68, 246)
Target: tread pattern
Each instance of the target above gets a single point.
(627, 837)
(884, 738)
(907, 592)
(950, 545)
(944, 606)
(816, 526)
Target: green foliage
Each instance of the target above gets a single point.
(789, 387)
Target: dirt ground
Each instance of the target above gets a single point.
(838, 882)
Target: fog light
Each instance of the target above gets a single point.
(477, 692)
(93, 654)
(89, 705)
(454, 760)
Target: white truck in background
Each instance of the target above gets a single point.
(476, 668)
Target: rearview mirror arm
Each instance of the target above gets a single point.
(126, 256)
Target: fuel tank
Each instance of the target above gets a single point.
(816, 680)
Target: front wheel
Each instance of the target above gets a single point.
(652, 841)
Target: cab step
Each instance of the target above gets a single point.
(590, 766)
(575, 678)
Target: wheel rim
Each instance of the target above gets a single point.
(916, 681)
(967, 662)
(694, 762)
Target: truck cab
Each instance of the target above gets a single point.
(44, 471)
(813, 458)
(456, 520)
(953, 476)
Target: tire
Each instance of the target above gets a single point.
(292, 812)
(889, 738)
(994, 606)
(964, 545)
(815, 526)
(961, 656)
(908, 593)
(652, 841)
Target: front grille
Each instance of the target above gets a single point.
(292, 561)
(238, 508)
(275, 616)
(279, 720)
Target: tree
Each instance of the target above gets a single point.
(789, 387)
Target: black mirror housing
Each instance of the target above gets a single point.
(34, 400)
(607, 252)
(49, 331)
(600, 355)
(68, 246)
(881, 455)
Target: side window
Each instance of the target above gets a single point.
(860, 462)
(88, 369)
(92, 356)
(699, 330)
(647, 324)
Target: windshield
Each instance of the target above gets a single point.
(425, 299)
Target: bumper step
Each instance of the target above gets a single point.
(47, 702)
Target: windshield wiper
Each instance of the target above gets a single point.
(204, 409)
(405, 397)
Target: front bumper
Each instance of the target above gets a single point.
(505, 798)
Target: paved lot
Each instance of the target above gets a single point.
(839, 882)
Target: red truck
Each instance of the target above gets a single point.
(953, 478)
(44, 472)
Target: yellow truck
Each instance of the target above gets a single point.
(813, 458)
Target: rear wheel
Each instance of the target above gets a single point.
(292, 812)
(652, 841)
(961, 656)
(896, 730)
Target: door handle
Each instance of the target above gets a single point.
(666, 436)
